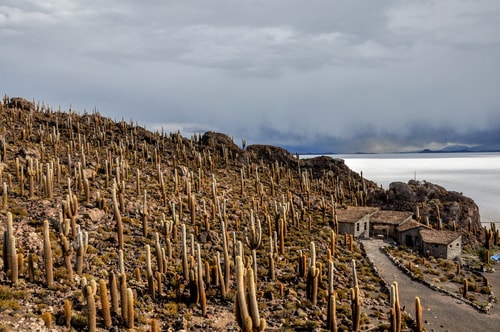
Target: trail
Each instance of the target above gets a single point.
(440, 312)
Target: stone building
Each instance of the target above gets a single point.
(428, 241)
(383, 223)
(355, 220)
(441, 244)
(409, 234)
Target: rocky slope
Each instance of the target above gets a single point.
(119, 200)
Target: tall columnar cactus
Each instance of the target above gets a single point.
(201, 284)
(312, 276)
(130, 309)
(355, 308)
(91, 309)
(253, 237)
(123, 296)
(247, 313)
(160, 254)
(117, 217)
(113, 291)
(9, 250)
(149, 271)
(185, 265)
(47, 254)
(105, 307)
(354, 274)
(331, 322)
(395, 310)
(333, 245)
(68, 312)
(418, 315)
(80, 245)
(227, 261)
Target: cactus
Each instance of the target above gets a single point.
(67, 313)
(47, 255)
(80, 245)
(130, 309)
(465, 287)
(113, 290)
(105, 308)
(331, 322)
(418, 315)
(395, 310)
(355, 308)
(7, 245)
(91, 309)
(154, 325)
(185, 266)
(312, 276)
(117, 217)
(248, 318)
(14, 267)
(254, 236)
(201, 285)
(354, 274)
(149, 272)
(123, 296)
(227, 261)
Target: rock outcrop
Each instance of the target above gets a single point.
(434, 202)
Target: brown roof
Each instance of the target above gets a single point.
(351, 214)
(390, 217)
(409, 224)
(438, 237)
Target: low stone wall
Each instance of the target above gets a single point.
(412, 275)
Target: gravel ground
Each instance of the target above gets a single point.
(440, 312)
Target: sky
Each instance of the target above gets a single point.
(339, 76)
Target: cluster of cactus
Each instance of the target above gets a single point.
(246, 308)
(189, 269)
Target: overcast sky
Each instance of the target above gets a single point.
(340, 76)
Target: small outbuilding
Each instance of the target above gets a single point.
(441, 243)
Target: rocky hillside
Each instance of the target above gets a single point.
(435, 206)
(109, 226)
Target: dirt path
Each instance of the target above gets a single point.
(440, 312)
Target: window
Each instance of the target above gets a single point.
(365, 225)
(357, 227)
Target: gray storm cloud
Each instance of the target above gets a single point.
(340, 76)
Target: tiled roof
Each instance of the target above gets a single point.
(390, 217)
(438, 237)
(351, 214)
(409, 224)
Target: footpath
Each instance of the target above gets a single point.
(440, 312)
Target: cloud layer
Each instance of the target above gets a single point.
(340, 76)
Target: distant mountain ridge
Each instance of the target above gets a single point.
(464, 148)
